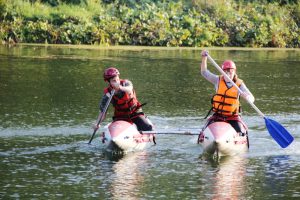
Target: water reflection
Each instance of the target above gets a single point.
(49, 97)
(127, 177)
(229, 178)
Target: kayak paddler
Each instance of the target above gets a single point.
(125, 103)
(226, 100)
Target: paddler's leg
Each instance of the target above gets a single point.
(236, 125)
(240, 128)
(142, 123)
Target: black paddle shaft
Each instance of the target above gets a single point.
(102, 114)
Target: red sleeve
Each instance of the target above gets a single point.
(106, 90)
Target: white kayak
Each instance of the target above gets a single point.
(124, 136)
(221, 139)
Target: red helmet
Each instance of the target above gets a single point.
(228, 64)
(110, 73)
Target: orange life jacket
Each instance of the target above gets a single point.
(226, 100)
(125, 105)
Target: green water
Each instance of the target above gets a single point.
(49, 98)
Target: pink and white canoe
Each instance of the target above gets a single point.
(124, 136)
(221, 139)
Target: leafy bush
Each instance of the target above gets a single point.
(2, 8)
(57, 2)
(256, 23)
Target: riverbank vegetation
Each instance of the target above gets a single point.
(196, 23)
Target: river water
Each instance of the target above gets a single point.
(49, 98)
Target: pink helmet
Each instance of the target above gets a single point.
(228, 64)
(110, 73)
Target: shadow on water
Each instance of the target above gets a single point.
(114, 155)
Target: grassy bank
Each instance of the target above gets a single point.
(195, 23)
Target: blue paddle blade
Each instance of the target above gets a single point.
(279, 133)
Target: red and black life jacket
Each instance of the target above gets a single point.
(125, 104)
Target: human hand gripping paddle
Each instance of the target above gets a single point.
(102, 115)
(276, 130)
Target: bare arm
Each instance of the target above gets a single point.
(127, 87)
(213, 78)
(247, 94)
(203, 66)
